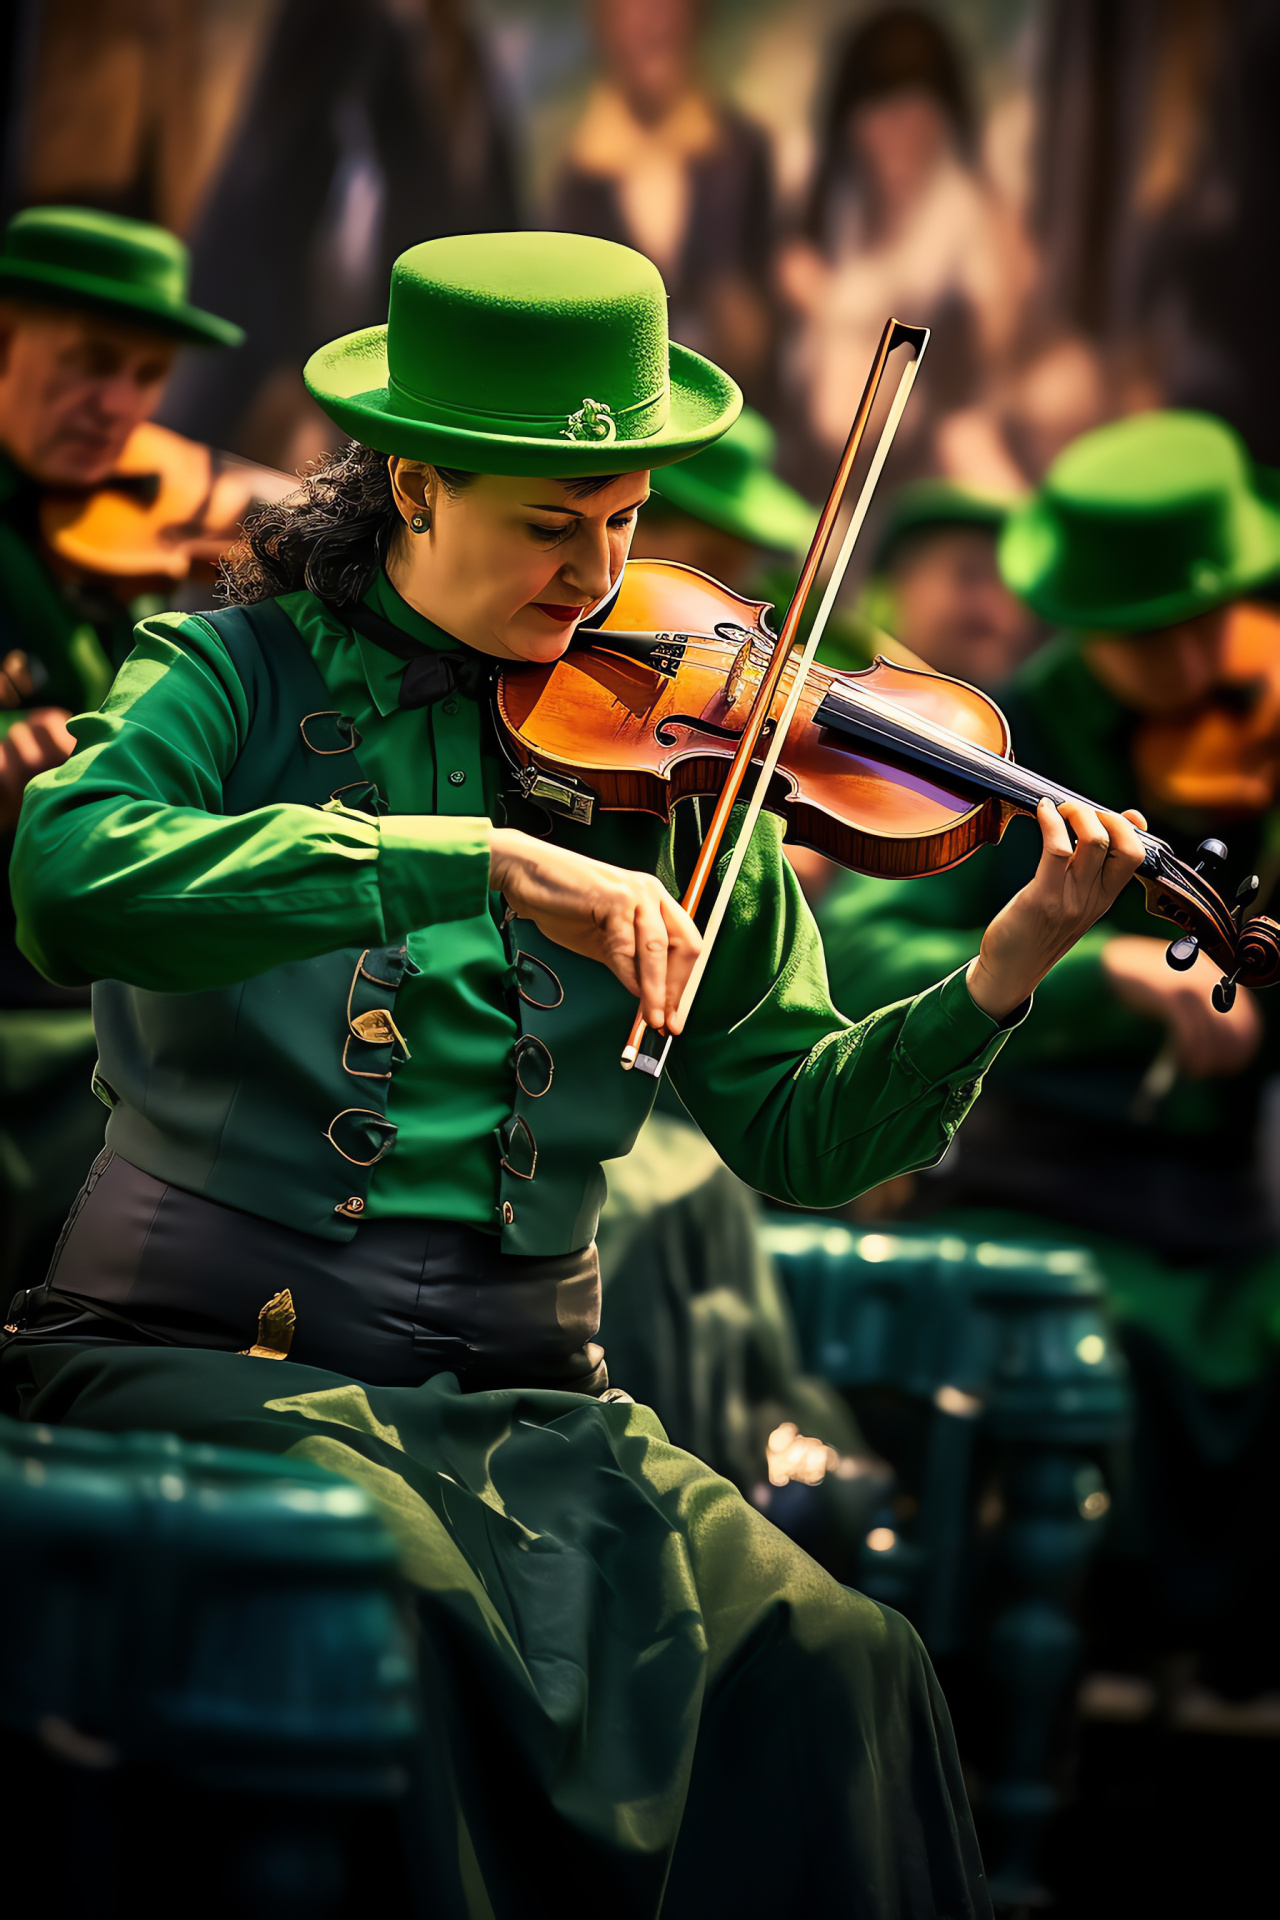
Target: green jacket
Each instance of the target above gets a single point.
(1081, 1052)
(199, 856)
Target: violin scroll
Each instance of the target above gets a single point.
(1248, 951)
(1258, 959)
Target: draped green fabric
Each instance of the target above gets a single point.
(694, 1321)
(652, 1702)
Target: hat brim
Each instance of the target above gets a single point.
(348, 378)
(176, 320)
(764, 511)
(1034, 563)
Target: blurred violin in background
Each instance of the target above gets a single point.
(169, 512)
(1223, 755)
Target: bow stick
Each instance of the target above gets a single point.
(896, 334)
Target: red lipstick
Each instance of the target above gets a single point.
(558, 613)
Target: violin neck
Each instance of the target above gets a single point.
(969, 770)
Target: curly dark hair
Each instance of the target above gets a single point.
(333, 535)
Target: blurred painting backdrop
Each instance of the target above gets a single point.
(1071, 191)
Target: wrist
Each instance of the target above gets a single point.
(992, 995)
(504, 848)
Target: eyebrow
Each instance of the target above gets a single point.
(549, 506)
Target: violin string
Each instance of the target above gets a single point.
(1006, 780)
(968, 759)
(971, 761)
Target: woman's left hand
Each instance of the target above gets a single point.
(1073, 886)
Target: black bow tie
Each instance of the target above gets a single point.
(429, 675)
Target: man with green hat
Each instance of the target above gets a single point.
(93, 310)
(936, 588)
(720, 509)
(361, 990)
(1125, 1113)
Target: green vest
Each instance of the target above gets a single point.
(271, 1095)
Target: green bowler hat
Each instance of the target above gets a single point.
(76, 257)
(731, 485)
(1142, 523)
(920, 504)
(538, 353)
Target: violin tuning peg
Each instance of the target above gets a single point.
(1224, 995)
(1181, 954)
(1210, 853)
(1248, 890)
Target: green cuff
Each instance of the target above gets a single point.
(431, 867)
(947, 1037)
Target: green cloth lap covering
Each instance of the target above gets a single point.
(647, 1692)
(694, 1322)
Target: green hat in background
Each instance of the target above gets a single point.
(524, 353)
(939, 503)
(76, 257)
(1142, 523)
(731, 485)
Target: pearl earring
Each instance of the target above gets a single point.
(419, 523)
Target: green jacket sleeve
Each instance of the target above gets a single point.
(125, 866)
(885, 939)
(807, 1106)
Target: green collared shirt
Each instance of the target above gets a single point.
(128, 869)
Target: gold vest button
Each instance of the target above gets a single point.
(377, 1027)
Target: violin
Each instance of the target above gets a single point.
(894, 770)
(170, 509)
(1224, 756)
(675, 685)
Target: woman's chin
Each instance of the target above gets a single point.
(539, 649)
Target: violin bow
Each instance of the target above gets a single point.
(896, 334)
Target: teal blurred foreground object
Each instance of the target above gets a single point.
(208, 1653)
(1007, 1356)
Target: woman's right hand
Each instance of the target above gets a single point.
(626, 920)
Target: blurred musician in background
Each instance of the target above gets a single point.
(726, 508)
(93, 312)
(658, 162)
(935, 584)
(1125, 1115)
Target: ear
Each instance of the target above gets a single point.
(413, 485)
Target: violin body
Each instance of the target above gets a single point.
(894, 771)
(171, 507)
(643, 732)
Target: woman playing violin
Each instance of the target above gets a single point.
(359, 1011)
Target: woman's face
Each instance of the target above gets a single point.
(897, 142)
(509, 565)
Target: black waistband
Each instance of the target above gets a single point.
(140, 1260)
